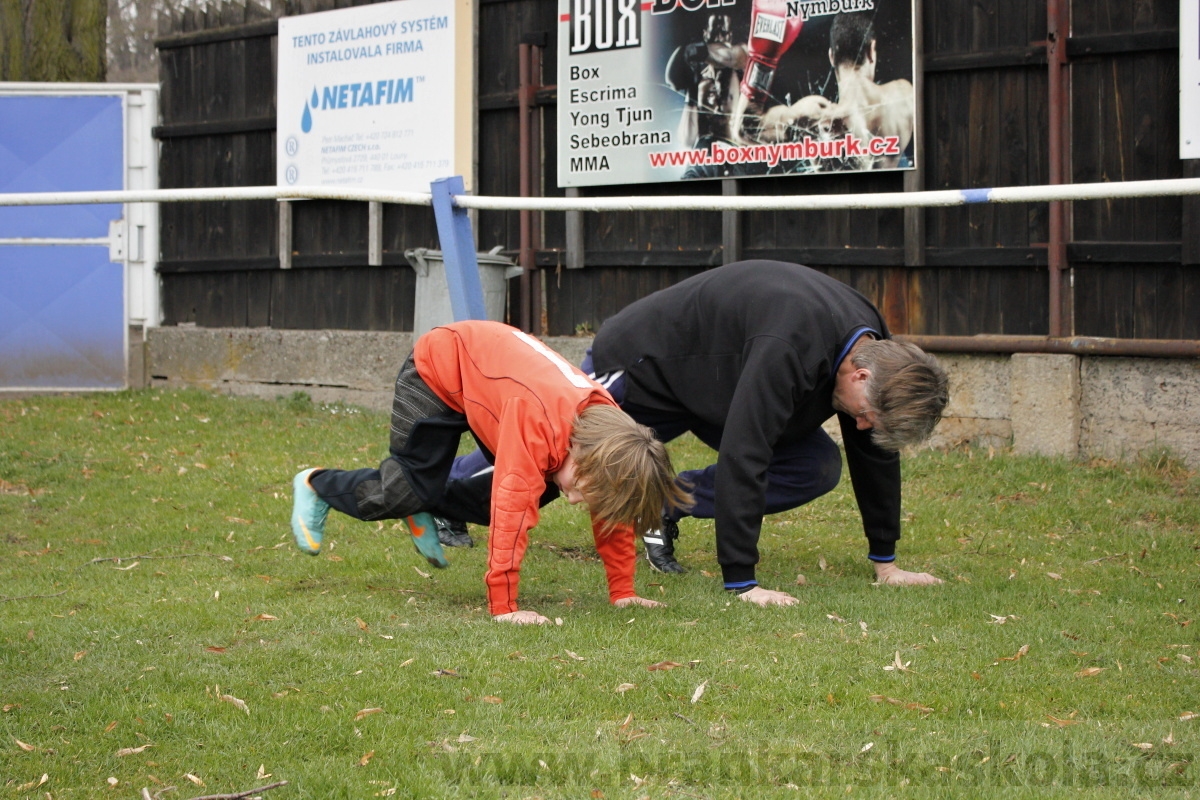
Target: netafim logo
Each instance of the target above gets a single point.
(598, 25)
(356, 95)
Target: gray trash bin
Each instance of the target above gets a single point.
(433, 295)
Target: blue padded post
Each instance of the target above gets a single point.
(458, 250)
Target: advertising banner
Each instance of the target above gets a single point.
(667, 90)
(1189, 79)
(366, 96)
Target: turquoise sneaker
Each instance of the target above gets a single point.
(308, 514)
(425, 538)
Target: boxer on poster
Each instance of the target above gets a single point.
(865, 109)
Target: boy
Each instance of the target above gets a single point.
(546, 427)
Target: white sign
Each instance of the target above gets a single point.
(672, 90)
(1189, 79)
(366, 96)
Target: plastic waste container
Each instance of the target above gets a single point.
(433, 294)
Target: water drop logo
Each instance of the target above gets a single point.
(306, 120)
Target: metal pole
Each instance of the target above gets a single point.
(524, 254)
(1056, 57)
(1075, 345)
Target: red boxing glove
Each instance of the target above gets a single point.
(772, 32)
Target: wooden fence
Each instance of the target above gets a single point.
(965, 270)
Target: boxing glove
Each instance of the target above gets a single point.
(772, 32)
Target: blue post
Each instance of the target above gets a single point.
(458, 250)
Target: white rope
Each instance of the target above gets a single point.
(950, 197)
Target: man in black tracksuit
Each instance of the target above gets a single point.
(747, 357)
(752, 358)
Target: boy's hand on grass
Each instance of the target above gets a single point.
(891, 575)
(638, 601)
(767, 597)
(522, 617)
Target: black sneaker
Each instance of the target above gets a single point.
(660, 548)
(452, 532)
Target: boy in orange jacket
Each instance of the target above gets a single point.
(546, 426)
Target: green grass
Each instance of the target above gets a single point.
(192, 492)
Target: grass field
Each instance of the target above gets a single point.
(159, 629)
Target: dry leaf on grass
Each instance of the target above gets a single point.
(25, 787)
(920, 709)
(821, 563)
(1142, 745)
(265, 618)
(194, 779)
(28, 748)
(109, 727)
(1054, 575)
(1185, 716)
(1016, 657)
(491, 698)
(422, 574)
(897, 665)
(625, 687)
(366, 712)
(132, 751)
(239, 520)
(366, 759)
(663, 666)
(228, 698)
(79, 656)
(575, 656)
(1089, 672)
(362, 626)
(465, 738)
(213, 649)
(801, 580)
(835, 617)
(1062, 723)
(262, 773)
(696, 695)
(445, 673)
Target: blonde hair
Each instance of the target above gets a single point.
(907, 390)
(622, 470)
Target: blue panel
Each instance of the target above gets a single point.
(62, 318)
(60, 144)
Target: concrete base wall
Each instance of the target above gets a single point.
(1059, 405)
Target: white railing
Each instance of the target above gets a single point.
(941, 198)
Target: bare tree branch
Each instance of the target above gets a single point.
(32, 596)
(119, 559)
(239, 795)
(235, 796)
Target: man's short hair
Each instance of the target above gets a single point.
(850, 37)
(908, 390)
(623, 471)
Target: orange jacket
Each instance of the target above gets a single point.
(520, 399)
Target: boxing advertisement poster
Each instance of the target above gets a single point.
(369, 96)
(1189, 79)
(667, 90)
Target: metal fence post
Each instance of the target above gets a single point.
(458, 250)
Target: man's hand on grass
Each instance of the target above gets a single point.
(638, 601)
(891, 575)
(522, 617)
(767, 597)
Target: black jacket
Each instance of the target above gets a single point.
(751, 347)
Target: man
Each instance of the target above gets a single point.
(864, 108)
(752, 358)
